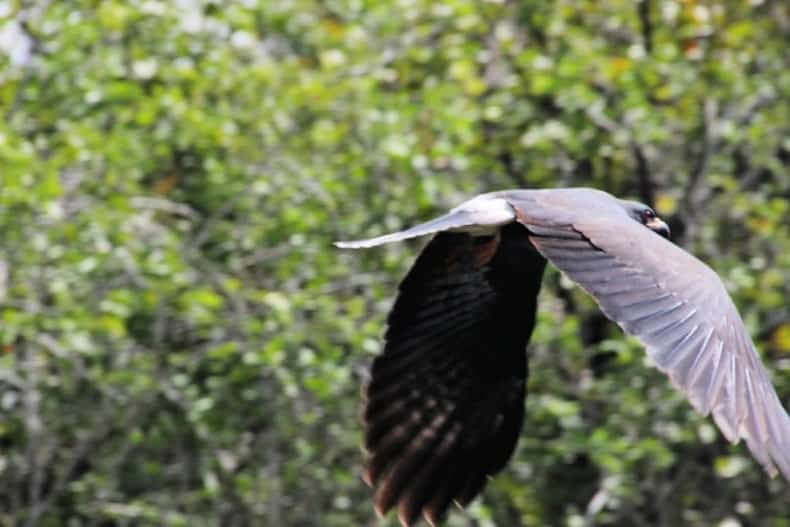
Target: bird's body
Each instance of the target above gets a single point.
(445, 402)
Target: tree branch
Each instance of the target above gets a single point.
(643, 7)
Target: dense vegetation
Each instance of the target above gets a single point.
(180, 344)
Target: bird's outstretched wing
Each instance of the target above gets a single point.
(483, 214)
(445, 402)
(679, 308)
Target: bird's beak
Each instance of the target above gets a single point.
(659, 226)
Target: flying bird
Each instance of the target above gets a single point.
(445, 401)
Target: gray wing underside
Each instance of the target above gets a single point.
(678, 307)
(483, 215)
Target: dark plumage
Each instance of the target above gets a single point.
(445, 403)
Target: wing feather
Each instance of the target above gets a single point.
(678, 307)
(440, 415)
(483, 214)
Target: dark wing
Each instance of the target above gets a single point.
(678, 307)
(445, 403)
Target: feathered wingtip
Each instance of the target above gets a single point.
(442, 223)
(373, 242)
(481, 214)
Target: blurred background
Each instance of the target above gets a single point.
(181, 345)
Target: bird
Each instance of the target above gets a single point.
(444, 404)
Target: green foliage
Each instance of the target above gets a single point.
(181, 345)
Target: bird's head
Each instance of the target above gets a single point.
(647, 217)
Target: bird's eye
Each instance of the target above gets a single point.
(648, 215)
